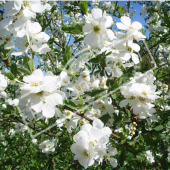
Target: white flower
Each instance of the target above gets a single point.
(65, 79)
(84, 152)
(132, 29)
(3, 85)
(48, 146)
(149, 156)
(14, 102)
(19, 127)
(96, 28)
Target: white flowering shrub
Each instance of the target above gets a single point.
(83, 85)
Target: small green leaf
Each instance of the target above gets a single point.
(105, 118)
(14, 69)
(158, 128)
(78, 40)
(9, 75)
(70, 104)
(168, 123)
(94, 60)
(115, 86)
(23, 70)
(123, 141)
(76, 29)
(84, 6)
(28, 63)
(94, 92)
(127, 75)
(122, 157)
(67, 54)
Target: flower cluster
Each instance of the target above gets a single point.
(140, 95)
(40, 94)
(91, 144)
(20, 31)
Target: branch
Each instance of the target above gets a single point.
(87, 118)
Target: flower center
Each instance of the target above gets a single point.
(86, 153)
(142, 99)
(130, 49)
(144, 93)
(96, 29)
(26, 45)
(7, 38)
(68, 113)
(26, 3)
(79, 88)
(35, 83)
(41, 93)
(132, 97)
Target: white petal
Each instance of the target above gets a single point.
(109, 22)
(137, 25)
(135, 58)
(113, 162)
(87, 27)
(43, 37)
(38, 74)
(54, 99)
(91, 40)
(135, 47)
(48, 110)
(29, 14)
(123, 103)
(98, 123)
(121, 26)
(37, 8)
(96, 13)
(126, 20)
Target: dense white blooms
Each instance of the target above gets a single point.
(140, 95)
(40, 94)
(91, 144)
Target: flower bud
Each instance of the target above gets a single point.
(164, 86)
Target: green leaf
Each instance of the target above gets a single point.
(95, 92)
(14, 69)
(59, 133)
(115, 86)
(67, 54)
(105, 118)
(127, 75)
(76, 29)
(70, 104)
(84, 6)
(28, 63)
(23, 70)
(168, 123)
(78, 40)
(158, 128)
(9, 75)
(122, 157)
(123, 141)
(94, 60)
